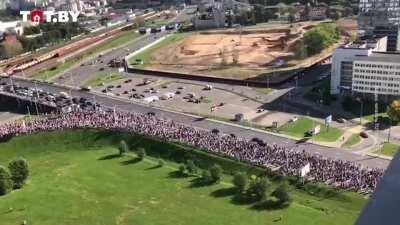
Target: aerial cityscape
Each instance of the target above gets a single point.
(199, 112)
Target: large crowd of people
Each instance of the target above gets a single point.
(344, 174)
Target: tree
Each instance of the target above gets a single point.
(262, 187)
(191, 167)
(123, 148)
(206, 177)
(140, 21)
(240, 181)
(19, 171)
(9, 50)
(282, 194)
(320, 37)
(6, 183)
(141, 153)
(301, 50)
(182, 169)
(216, 172)
(394, 111)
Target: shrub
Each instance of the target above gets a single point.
(240, 181)
(6, 183)
(259, 187)
(141, 153)
(191, 167)
(282, 194)
(19, 171)
(216, 172)
(161, 162)
(206, 177)
(123, 147)
(182, 169)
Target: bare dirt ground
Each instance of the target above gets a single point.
(234, 53)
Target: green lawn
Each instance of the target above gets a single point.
(100, 78)
(388, 149)
(353, 140)
(370, 118)
(109, 44)
(302, 125)
(118, 41)
(48, 74)
(76, 178)
(146, 55)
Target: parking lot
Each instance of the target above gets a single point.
(203, 100)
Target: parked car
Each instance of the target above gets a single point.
(363, 134)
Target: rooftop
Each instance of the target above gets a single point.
(381, 57)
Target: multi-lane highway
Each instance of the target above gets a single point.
(203, 123)
(92, 66)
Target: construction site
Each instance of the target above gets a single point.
(238, 53)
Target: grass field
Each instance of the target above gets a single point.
(100, 78)
(302, 125)
(353, 140)
(50, 73)
(77, 178)
(388, 149)
(146, 55)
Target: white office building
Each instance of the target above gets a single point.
(378, 73)
(365, 68)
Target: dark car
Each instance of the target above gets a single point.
(151, 113)
(363, 135)
(128, 81)
(101, 69)
(215, 131)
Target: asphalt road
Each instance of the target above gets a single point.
(78, 75)
(119, 104)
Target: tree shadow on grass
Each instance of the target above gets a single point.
(243, 199)
(111, 156)
(153, 167)
(269, 205)
(131, 161)
(224, 192)
(176, 174)
(199, 182)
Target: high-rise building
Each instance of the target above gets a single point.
(379, 12)
(380, 18)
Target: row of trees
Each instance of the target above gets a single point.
(208, 176)
(260, 189)
(123, 148)
(51, 33)
(251, 188)
(318, 38)
(14, 177)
